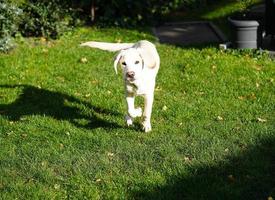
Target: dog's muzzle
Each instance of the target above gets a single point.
(130, 75)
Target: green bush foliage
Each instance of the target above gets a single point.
(35, 18)
(9, 20)
(48, 19)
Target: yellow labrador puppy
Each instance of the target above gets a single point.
(140, 63)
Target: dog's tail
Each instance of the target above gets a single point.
(108, 46)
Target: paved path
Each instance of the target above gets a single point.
(189, 33)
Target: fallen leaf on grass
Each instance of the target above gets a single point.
(87, 95)
(251, 96)
(42, 39)
(261, 120)
(219, 118)
(23, 119)
(257, 67)
(118, 40)
(83, 60)
(45, 50)
(98, 180)
(164, 108)
(29, 180)
(56, 186)
(61, 146)
(9, 133)
(44, 163)
(94, 81)
(158, 88)
(243, 146)
(200, 93)
(187, 159)
(110, 154)
(60, 78)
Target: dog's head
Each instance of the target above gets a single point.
(133, 62)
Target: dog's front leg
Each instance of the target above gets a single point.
(148, 104)
(132, 112)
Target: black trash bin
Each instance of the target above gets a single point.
(244, 33)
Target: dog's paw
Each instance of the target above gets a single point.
(128, 120)
(136, 112)
(146, 126)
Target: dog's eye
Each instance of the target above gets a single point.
(136, 62)
(124, 63)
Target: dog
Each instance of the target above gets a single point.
(140, 63)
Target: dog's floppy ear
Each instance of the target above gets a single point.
(147, 57)
(117, 59)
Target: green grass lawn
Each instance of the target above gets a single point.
(63, 136)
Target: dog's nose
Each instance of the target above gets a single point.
(130, 74)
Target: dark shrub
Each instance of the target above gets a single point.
(141, 12)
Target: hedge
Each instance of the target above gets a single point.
(51, 18)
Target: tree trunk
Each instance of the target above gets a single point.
(93, 11)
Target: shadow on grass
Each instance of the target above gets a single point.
(248, 176)
(36, 101)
